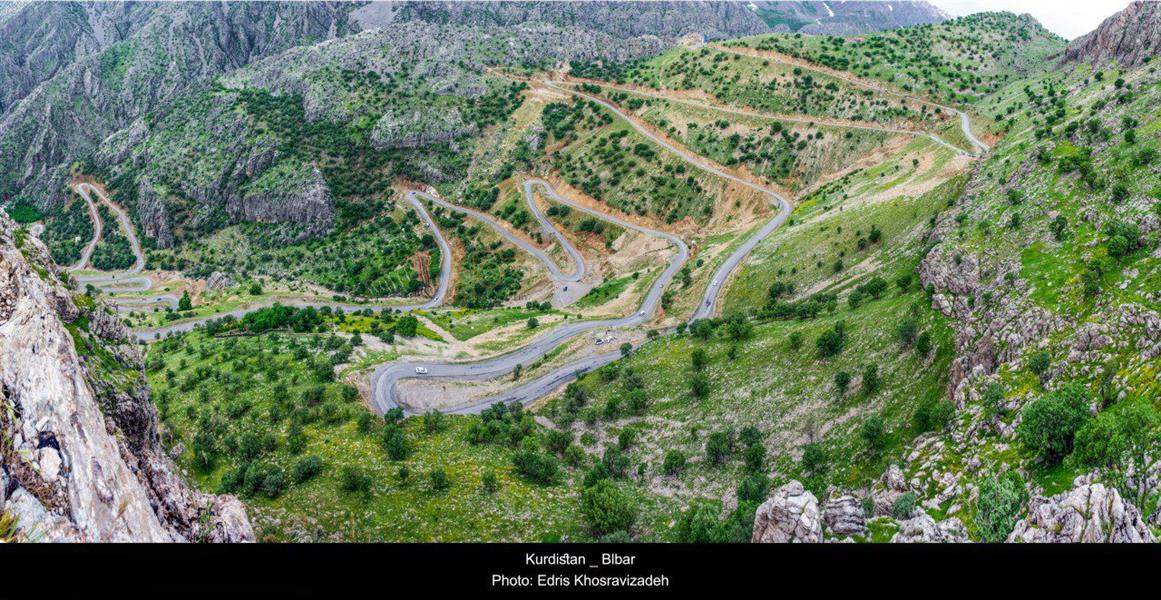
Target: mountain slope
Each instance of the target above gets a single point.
(713, 19)
(169, 49)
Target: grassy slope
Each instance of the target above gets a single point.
(961, 60)
(765, 85)
(320, 509)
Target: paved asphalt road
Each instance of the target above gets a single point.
(386, 376)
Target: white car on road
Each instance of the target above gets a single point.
(421, 370)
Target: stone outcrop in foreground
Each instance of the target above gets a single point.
(789, 515)
(80, 456)
(1088, 513)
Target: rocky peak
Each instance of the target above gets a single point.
(81, 459)
(1128, 37)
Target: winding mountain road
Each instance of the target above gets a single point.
(128, 280)
(385, 378)
(578, 271)
(708, 304)
(816, 121)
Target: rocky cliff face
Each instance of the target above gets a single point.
(621, 19)
(44, 38)
(80, 457)
(1128, 37)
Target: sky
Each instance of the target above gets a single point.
(1068, 18)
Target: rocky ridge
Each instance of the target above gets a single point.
(845, 18)
(82, 458)
(1088, 513)
(670, 20)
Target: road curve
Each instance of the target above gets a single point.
(548, 227)
(128, 280)
(550, 264)
(87, 251)
(385, 377)
(708, 304)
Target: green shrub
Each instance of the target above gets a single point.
(306, 469)
(535, 466)
(874, 433)
(871, 380)
(674, 462)
(439, 480)
(1121, 441)
(934, 414)
(719, 447)
(753, 488)
(395, 442)
(999, 506)
(606, 509)
(488, 482)
(1051, 422)
(904, 505)
(355, 480)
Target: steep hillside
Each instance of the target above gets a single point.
(959, 60)
(103, 86)
(712, 19)
(81, 459)
(1048, 264)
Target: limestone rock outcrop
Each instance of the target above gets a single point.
(82, 459)
(790, 515)
(1088, 513)
(923, 529)
(844, 516)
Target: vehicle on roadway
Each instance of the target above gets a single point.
(421, 370)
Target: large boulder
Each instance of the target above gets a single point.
(789, 515)
(1088, 513)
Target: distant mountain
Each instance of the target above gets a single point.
(1128, 37)
(713, 19)
(622, 19)
(845, 18)
(72, 73)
